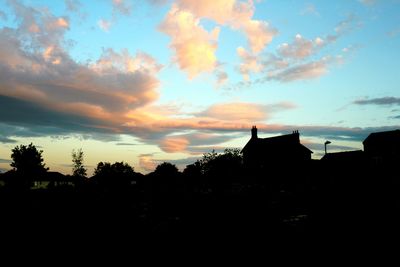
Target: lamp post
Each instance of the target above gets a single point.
(327, 143)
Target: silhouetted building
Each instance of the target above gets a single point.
(357, 156)
(383, 147)
(260, 152)
(53, 179)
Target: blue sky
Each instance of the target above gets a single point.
(151, 81)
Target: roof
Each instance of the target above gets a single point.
(277, 141)
(386, 137)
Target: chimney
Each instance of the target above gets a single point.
(297, 135)
(254, 132)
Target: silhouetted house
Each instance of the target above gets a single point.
(53, 179)
(345, 157)
(260, 152)
(383, 147)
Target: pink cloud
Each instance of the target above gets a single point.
(250, 63)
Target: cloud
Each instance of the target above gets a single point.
(296, 60)
(193, 45)
(126, 144)
(104, 25)
(5, 160)
(236, 14)
(242, 112)
(147, 163)
(306, 71)
(44, 90)
(300, 48)
(174, 144)
(249, 63)
(222, 77)
(309, 9)
(345, 26)
(7, 140)
(121, 7)
(383, 101)
(45, 73)
(194, 143)
(72, 5)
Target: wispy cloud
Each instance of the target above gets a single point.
(126, 144)
(383, 101)
(310, 9)
(301, 48)
(297, 60)
(5, 160)
(306, 71)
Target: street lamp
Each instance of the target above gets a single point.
(327, 143)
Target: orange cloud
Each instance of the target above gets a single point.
(147, 163)
(235, 14)
(174, 144)
(62, 22)
(237, 112)
(194, 47)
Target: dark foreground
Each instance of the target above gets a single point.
(290, 206)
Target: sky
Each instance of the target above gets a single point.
(148, 81)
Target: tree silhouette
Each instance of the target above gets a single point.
(28, 164)
(27, 160)
(78, 169)
(118, 175)
(166, 169)
(216, 170)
